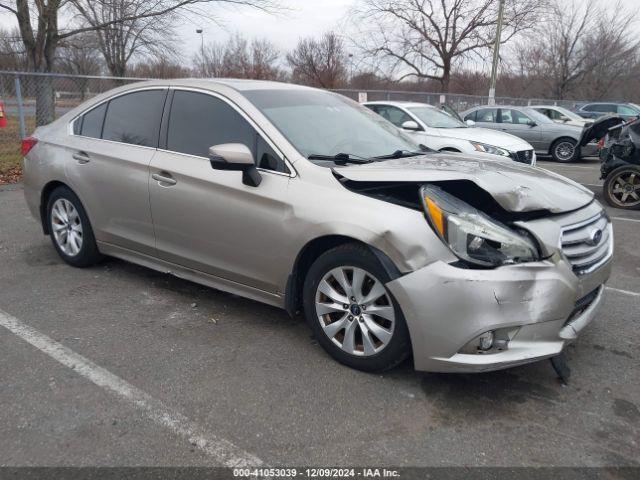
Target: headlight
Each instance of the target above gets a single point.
(472, 235)
(483, 147)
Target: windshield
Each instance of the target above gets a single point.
(434, 118)
(324, 123)
(536, 116)
(569, 113)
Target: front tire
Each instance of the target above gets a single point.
(352, 313)
(565, 150)
(70, 229)
(621, 188)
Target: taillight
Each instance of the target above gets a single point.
(27, 144)
(601, 144)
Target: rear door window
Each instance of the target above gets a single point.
(603, 108)
(92, 122)
(135, 118)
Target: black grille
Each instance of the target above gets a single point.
(523, 156)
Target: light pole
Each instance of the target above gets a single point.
(496, 56)
(201, 33)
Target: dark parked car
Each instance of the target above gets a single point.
(627, 111)
(620, 157)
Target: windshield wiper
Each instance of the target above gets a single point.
(400, 154)
(341, 158)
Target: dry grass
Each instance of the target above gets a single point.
(10, 158)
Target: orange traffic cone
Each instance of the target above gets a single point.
(3, 117)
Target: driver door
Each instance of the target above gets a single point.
(208, 220)
(518, 123)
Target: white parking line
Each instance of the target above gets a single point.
(559, 165)
(222, 451)
(627, 219)
(625, 292)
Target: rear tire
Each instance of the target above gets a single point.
(565, 150)
(70, 229)
(359, 323)
(621, 188)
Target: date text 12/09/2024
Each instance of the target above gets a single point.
(315, 473)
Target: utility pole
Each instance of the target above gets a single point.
(201, 32)
(496, 55)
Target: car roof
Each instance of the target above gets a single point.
(234, 83)
(547, 106)
(399, 103)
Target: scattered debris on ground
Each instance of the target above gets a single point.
(12, 175)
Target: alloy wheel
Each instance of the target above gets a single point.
(624, 189)
(355, 311)
(66, 227)
(565, 151)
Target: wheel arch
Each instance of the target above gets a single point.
(310, 252)
(44, 197)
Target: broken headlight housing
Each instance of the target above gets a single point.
(471, 234)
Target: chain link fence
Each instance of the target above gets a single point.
(459, 102)
(32, 99)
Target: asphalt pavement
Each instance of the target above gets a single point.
(118, 365)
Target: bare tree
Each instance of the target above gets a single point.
(120, 41)
(160, 66)
(426, 39)
(41, 33)
(12, 55)
(578, 44)
(240, 58)
(321, 63)
(80, 56)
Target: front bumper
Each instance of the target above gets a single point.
(446, 307)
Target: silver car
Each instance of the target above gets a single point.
(303, 199)
(441, 131)
(546, 136)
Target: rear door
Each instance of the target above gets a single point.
(110, 151)
(207, 219)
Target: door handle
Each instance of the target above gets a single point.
(81, 158)
(166, 179)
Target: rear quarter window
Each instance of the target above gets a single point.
(92, 121)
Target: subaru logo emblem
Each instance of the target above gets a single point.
(595, 237)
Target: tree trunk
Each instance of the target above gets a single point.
(45, 101)
(446, 75)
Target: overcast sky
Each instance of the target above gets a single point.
(302, 18)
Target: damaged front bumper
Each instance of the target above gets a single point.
(543, 305)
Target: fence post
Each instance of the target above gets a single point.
(23, 130)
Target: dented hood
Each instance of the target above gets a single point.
(516, 187)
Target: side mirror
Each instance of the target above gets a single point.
(411, 126)
(237, 157)
(531, 123)
(470, 123)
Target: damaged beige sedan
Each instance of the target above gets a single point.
(303, 199)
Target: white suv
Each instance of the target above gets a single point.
(441, 131)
